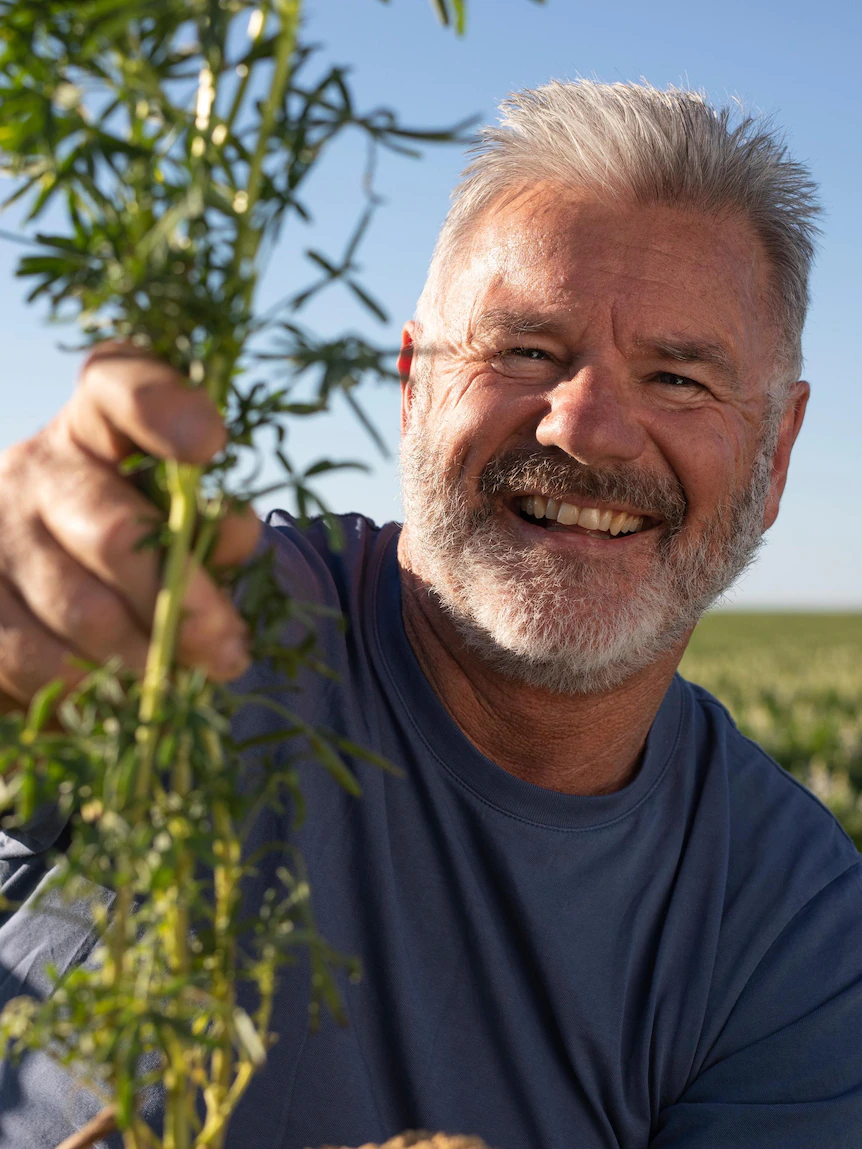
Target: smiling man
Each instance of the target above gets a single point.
(597, 432)
(591, 913)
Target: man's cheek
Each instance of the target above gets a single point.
(711, 466)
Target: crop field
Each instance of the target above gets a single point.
(793, 682)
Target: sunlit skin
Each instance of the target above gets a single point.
(613, 297)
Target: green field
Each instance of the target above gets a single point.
(793, 682)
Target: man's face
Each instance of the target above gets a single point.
(614, 360)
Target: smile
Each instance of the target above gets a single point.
(598, 521)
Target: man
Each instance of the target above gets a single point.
(591, 914)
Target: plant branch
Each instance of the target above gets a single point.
(102, 1124)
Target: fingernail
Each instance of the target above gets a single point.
(234, 658)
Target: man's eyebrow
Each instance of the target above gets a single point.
(513, 323)
(693, 351)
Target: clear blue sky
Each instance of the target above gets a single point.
(796, 61)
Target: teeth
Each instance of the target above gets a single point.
(590, 518)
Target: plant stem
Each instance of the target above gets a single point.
(289, 19)
(102, 1124)
(183, 481)
(248, 236)
(177, 1112)
(226, 894)
(226, 877)
(176, 928)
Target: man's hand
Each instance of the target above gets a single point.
(73, 581)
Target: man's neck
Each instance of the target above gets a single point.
(573, 743)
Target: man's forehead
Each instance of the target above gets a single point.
(550, 225)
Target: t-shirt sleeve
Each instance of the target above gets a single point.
(786, 1070)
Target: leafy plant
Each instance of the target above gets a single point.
(175, 138)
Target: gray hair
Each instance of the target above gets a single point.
(635, 142)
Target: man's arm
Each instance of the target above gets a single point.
(73, 581)
(786, 1070)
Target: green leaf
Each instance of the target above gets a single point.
(360, 752)
(372, 304)
(458, 10)
(248, 1038)
(333, 764)
(43, 706)
(188, 209)
(360, 414)
(324, 466)
(442, 11)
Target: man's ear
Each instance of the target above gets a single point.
(791, 424)
(405, 367)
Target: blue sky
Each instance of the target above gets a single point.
(795, 61)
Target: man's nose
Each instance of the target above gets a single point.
(593, 417)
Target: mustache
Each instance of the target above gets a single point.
(559, 475)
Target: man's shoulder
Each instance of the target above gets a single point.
(326, 530)
(774, 822)
(327, 558)
(749, 765)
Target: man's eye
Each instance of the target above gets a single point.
(533, 353)
(527, 363)
(674, 380)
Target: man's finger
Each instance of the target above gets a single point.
(93, 619)
(74, 605)
(237, 538)
(101, 522)
(212, 635)
(30, 655)
(127, 401)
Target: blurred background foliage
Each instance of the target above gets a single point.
(793, 683)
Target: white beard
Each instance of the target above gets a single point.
(556, 621)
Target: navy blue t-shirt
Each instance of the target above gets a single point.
(677, 964)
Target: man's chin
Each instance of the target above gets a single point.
(567, 639)
(565, 668)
